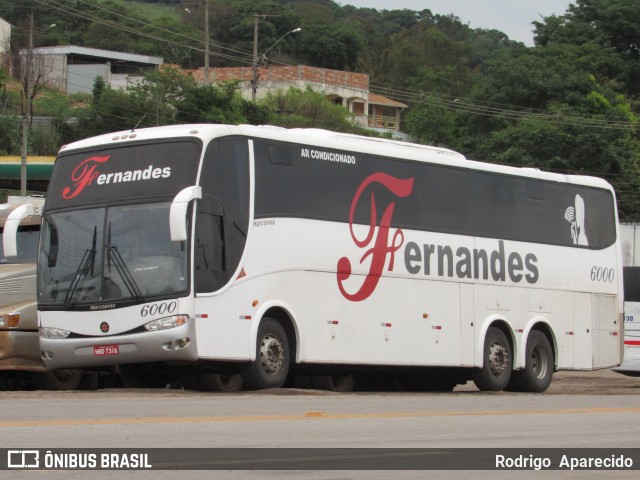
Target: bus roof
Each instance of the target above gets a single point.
(329, 139)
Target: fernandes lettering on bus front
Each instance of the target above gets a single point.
(138, 171)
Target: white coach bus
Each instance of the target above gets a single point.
(251, 253)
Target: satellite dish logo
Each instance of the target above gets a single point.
(575, 216)
(23, 459)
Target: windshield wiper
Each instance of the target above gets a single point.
(121, 267)
(86, 266)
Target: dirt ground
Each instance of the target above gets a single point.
(605, 382)
(597, 382)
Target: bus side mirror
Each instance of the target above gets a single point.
(9, 238)
(178, 212)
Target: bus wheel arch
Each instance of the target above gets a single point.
(276, 344)
(497, 349)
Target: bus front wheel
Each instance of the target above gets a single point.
(273, 357)
(497, 362)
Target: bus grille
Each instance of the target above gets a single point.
(11, 286)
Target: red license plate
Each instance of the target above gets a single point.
(104, 350)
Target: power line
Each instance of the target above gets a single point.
(395, 93)
(117, 26)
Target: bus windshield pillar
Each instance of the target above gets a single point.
(178, 212)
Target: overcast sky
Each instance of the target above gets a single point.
(512, 17)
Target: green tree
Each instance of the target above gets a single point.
(605, 31)
(432, 125)
(63, 111)
(334, 46)
(212, 104)
(434, 55)
(9, 135)
(297, 108)
(163, 90)
(117, 110)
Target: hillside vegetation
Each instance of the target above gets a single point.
(567, 104)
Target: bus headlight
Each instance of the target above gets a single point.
(167, 322)
(48, 332)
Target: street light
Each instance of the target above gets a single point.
(264, 55)
(254, 81)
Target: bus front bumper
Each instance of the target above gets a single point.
(174, 344)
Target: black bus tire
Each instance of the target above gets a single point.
(273, 357)
(497, 362)
(538, 369)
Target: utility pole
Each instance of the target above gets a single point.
(26, 119)
(206, 41)
(254, 81)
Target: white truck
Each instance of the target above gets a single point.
(20, 358)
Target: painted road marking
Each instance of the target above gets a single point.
(307, 416)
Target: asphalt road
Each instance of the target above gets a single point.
(581, 410)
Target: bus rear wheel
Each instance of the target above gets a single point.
(273, 357)
(497, 363)
(538, 369)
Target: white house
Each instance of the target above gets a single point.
(74, 69)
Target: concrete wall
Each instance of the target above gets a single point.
(358, 81)
(80, 78)
(347, 85)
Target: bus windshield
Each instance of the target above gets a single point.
(110, 254)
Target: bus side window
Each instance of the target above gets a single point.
(209, 258)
